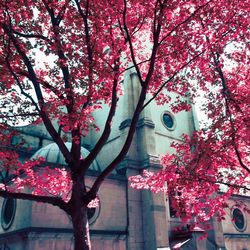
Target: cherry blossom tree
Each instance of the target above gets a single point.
(86, 47)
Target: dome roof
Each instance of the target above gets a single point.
(52, 154)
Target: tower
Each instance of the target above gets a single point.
(148, 221)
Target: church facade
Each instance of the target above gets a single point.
(127, 219)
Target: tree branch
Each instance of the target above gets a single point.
(33, 36)
(185, 21)
(62, 12)
(226, 94)
(20, 115)
(171, 78)
(84, 17)
(107, 128)
(233, 185)
(20, 86)
(128, 37)
(47, 122)
(44, 199)
(93, 191)
(62, 64)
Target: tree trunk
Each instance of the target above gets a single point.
(81, 228)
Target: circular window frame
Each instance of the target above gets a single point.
(5, 225)
(172, 117)
(244, 218)
(96, 214)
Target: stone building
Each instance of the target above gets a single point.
(126, 218)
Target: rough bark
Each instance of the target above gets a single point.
(80, 228)
(78, 212)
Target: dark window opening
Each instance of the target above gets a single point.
(8, 213)
(168, 120)
(91, 212)
(238, 219)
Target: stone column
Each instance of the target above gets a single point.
(135, 240)
(155, 223)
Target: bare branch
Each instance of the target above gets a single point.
(233, 185)
(45, 84)
(20, 115)
(44, 199)
(33, 36)
(20, 86)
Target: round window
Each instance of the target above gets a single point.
(91, 213)
(93, 210)
(238, 219)
(8, 213)
(168, 120)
